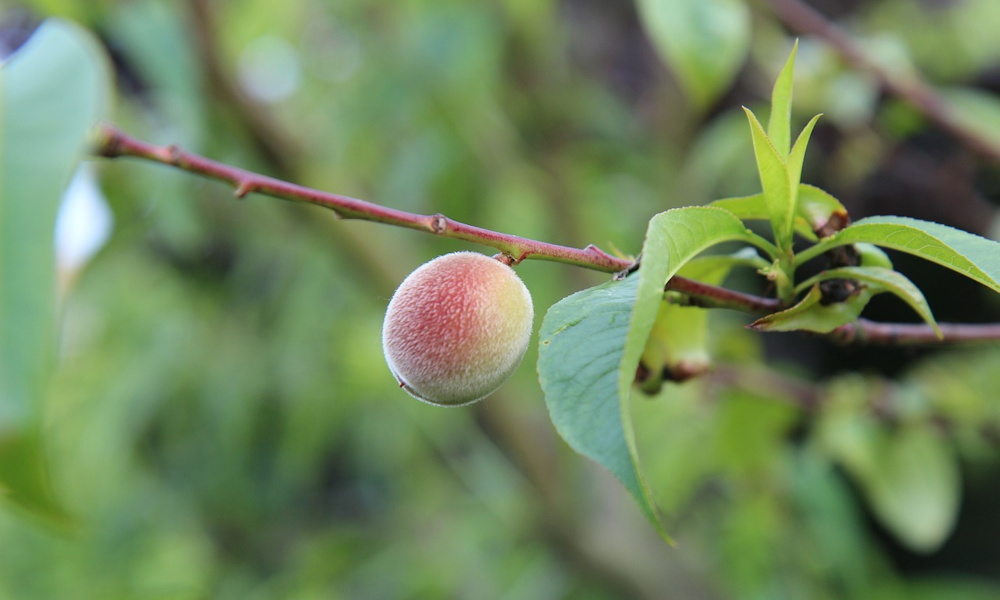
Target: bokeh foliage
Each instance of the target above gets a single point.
(221, 424)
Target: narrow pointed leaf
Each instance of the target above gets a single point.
(779, 122)
(810, 314)
(794, 164)
(971, 255)
(775, 182)
(882, 279)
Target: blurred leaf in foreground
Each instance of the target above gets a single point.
(51, 92)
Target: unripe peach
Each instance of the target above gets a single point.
(456, 328)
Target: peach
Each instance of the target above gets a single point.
(456, 328)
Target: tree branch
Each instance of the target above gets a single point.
(908, 86)
(114, 143)
(864, 331)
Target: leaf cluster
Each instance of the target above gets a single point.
(588, 385)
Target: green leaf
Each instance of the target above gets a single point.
(581, 344)
(24, 476)
(907, 471)
(971, 255)
(779, 122)
(873, 256)
(775, 182)
(915, 487)
(817, 207)
(591, 342)
(909, 476)
(883, 279)
(810, 314)
(673, 238)
(794, 165)
(814, 209)
(704, 41)
(746, 208)
(677, 348)
(52, 92)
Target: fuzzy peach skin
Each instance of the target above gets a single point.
(456, 328)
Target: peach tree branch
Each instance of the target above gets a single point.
(864, 331)
(114, 143)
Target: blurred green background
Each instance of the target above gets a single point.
(222, 425)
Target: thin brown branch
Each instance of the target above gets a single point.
(264, 134)
(114, 143)
(907, 85)
(868, 332)
(711, 296)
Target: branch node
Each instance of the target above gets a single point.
(244, 188)
(439, 224)
(505, 258)
(172, 154)
(108, 142)
(595, 250)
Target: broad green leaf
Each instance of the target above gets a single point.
(971, 255)
(831, 516)
(873, 256)
(907, 471)
(915, 487)
(775, 182)
(883, 279)
(52, 92)
(909, 476)
(810, 314)
(779, 122)
(591, 342)
(704, 41)
(673, 238)
(581, 344)
(746, 208)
